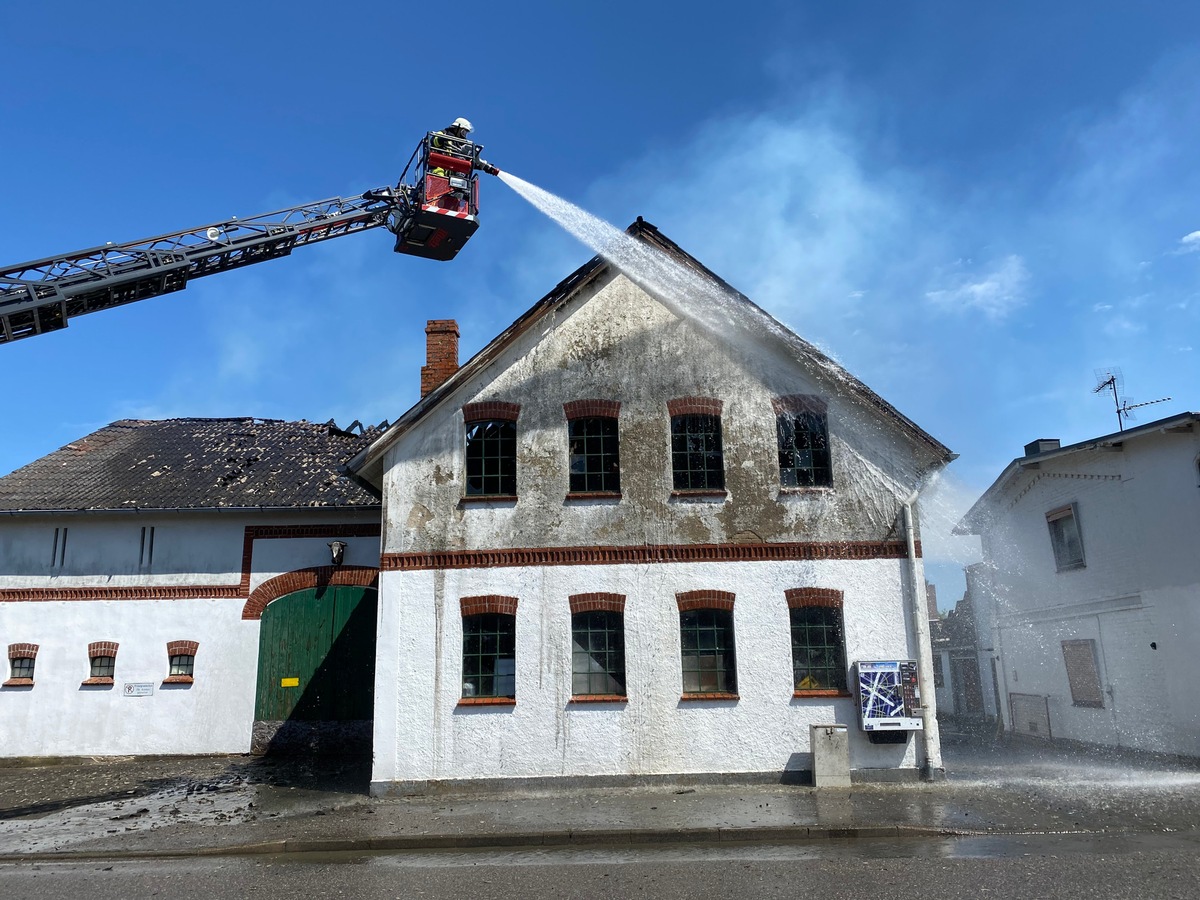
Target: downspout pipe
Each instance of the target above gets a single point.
(931, 739)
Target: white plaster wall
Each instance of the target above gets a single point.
(59, 717)
(215, 714)
(1139, 514)
(422, 734)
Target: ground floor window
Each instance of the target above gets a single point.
(818, 649)
(598, 653)
(818, 641)
(489, 655)
(706, 641)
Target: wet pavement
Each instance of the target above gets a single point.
(205, 805)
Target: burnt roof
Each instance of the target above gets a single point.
(193, 464)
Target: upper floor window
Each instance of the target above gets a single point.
(706, 645)
(802, 428)
(489, 626)
(818, 641)
(1064, 537)
(58, 551)
(697, 456)
(598, 646)
(491, 451)
(595, 465)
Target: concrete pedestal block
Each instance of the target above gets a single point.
(830, 746)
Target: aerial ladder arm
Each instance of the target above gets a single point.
(43, 295)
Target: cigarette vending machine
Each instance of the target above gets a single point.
(889, 698)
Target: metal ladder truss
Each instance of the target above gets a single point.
(41, 296)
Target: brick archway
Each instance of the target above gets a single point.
(307, 579)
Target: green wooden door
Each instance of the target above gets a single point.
(316, 656)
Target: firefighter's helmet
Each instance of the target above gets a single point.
(462, 123)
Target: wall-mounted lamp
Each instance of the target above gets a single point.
(338, 551)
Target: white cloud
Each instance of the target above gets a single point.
(1101, 307)
(1122, 326)
(995, 294)
(1189, 243)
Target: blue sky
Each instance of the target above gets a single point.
(971, 208)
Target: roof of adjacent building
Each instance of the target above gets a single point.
(193, 464)
(975, 517)
(367, 465)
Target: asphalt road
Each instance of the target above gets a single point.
(1026, 868)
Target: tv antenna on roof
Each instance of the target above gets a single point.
(1112, 379)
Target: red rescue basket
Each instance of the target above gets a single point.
(443, 198)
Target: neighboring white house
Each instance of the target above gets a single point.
(1088, 596)
(614, 543)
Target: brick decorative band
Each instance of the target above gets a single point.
(102, 648)
(813, 596)
(695, 406)
(304, 580)
(689, 600)
(361, 529)
(597, 602)
(644, 553)
(489, 603)
(581, 409)
(799, 403)
(182, 648)
(491, 409)
(22, 651)
(144, 592)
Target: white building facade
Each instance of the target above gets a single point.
(709, 600)
(1088, 597)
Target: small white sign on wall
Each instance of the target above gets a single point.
(138, 688)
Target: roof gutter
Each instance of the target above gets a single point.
(156, 510)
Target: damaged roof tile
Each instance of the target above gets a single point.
(193, 464)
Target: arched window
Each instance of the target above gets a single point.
(706, 644)
(489, 668)
(818, 642)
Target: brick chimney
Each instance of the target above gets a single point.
(441, 353)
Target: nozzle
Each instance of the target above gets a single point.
(486, 167)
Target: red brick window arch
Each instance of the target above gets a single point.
(707, 648)
(102, 662)
(597, 648)
(818, 642)
(593, 442)
(489, 655)
(181, 662)
(21, 659)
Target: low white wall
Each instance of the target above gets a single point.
(422, 734)
(58, 716)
